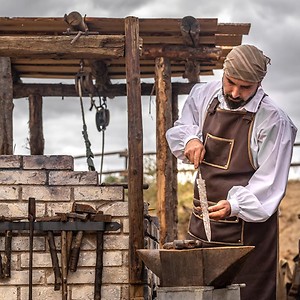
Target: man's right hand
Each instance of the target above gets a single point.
(194, 151)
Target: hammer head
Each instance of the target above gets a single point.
(83, 208)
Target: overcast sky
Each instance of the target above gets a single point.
(275, 28)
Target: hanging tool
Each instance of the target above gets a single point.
(64, 260)
(87, 210)
(102, 115)
(102, 121)
(204, 204)
(7, 254)
(53, 251)
(31, 219)
(83, 82)
(54, 259)
(99, 217)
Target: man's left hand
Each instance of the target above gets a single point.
(219, 211)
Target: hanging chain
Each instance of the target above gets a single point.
(89, 154)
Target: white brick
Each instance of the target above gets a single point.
(41, 293)
(125, 225)
(21, 278)
(22, 177)
(83, 292)
(116, 209)
(73, 178)
(40, 260)
(46, 193)
(58, 207)
(8, 293)
(52, 162)
(115, 275)
(109, 292)
(116, 243)
(20, 209)
(10, 161)
(9, 193)
(98, 193)
(20, 243)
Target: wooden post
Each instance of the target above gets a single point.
(36, 124)
(6, 107)
(174, 163)
(135, 151)
(167, 210)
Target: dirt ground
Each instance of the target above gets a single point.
(289, 223)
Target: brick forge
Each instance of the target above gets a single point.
(52, 181)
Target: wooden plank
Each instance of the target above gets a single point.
(181, 52)
(135, 150)
(234, 28)
(47, 61)
(96, 46)
(116, 25)
(228, 40)
(177, 40)
(6, 107)
(49, 69)
(164, 171)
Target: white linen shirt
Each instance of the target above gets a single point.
(271, 146)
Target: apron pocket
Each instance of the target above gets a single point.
(229, 231)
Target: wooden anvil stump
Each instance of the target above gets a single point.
(215, 266)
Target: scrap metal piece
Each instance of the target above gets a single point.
(6, 260)
(204, 205)
(54, 259)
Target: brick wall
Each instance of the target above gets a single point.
(52, 181)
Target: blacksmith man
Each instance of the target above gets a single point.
(242, 143)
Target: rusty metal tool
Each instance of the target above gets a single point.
(71, 217)
(64, 260)
(204, 205)
(1, 267)
(99, 217)
(31, 218)
(53, 251)
(87, 210)
(54, 259)
(7, 254)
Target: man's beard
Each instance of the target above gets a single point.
(234, 103)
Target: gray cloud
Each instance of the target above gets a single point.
(275, 29)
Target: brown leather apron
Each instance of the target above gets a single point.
(228, 162)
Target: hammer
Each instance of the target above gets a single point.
(75, 250)
(99, 217)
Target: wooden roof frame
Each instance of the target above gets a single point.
(113, 48)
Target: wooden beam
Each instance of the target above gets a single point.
(135, 150)
(86, 46)
(174, 178)
(36, 124)
(23, 90)
(6, 107)
(177, 52)
(166, 212)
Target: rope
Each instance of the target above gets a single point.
(89, 153)
(102, 156)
